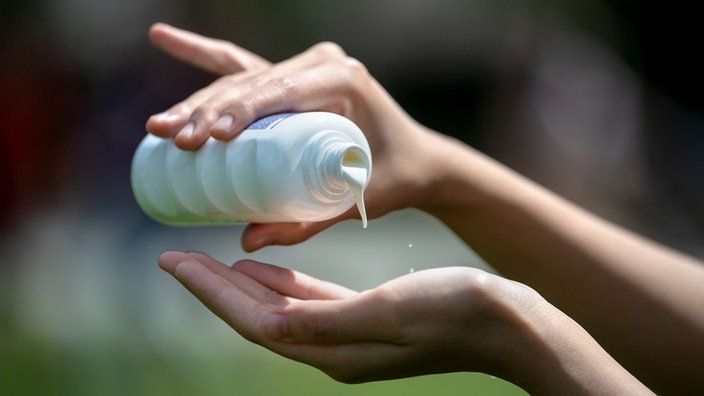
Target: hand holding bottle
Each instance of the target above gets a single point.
(594, 270)
(322, 78)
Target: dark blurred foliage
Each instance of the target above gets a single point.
(79, 79)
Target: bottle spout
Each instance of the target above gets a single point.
(341, 167)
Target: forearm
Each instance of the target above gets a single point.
(642, 301)
(556, 356)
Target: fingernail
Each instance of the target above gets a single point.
(223, 123)
(165, 117)
(187, 130)
(275, 327)
(169, 260)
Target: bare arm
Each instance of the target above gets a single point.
(433, 321)
(642, 301)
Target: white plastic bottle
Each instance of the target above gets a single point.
(284, 168)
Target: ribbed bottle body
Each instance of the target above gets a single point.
(272, 172)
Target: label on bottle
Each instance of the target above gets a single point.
(270, 122)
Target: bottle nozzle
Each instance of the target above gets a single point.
(342, 166)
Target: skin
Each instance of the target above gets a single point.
(487, 324)
(641, 301)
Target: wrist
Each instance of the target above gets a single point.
(550, 353)
(458, 178)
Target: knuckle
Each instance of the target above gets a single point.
(356, 68)
(482, 286)
(329, 49)
(354, 76)
(204, 113)
(183, 109)
(243, 110)
(358, 75)
(260, 79)
(287, 85)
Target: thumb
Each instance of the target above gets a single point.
(257, 236)
(331, 322)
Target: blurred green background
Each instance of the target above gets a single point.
(598, 100)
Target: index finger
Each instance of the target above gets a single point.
(216, 56)
(223, 298)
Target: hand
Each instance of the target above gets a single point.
(432, 321)
(322, 78)
(441, 320)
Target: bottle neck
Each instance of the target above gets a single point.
(340, 165)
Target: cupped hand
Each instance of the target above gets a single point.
(323, 78)
(440, 320)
